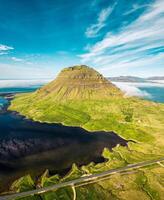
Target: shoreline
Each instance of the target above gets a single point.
(80, 134)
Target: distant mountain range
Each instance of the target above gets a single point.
(156, 78)
(135, 79)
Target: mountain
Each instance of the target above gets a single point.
(80, 96)
(135, 79)
(126, 79)
(78, 82)
(65, 99)
(155, 78)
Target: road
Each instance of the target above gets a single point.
(83, 179)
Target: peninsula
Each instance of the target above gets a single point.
(80, 96)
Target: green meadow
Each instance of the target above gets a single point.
(96, 107)
(134, 119)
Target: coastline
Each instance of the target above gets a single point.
(81, 135)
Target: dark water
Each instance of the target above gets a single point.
(31, 147)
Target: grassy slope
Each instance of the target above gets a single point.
(64, 101)
(132, 118)
(138, 120)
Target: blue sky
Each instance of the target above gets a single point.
(117, 37)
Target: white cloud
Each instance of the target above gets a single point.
(17, 59)
(4, 49)
(131, 46)
(131, 90)
(3, 53)
(158, 81)
(23, 71)
(127, 63)
(135, 8)
(93, 30)
(137, 89)
(23, 83)
(29, 63)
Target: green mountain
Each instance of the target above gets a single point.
(58, 100)
(80, 96)
(78, 82)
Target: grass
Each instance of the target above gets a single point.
(134, 119)
(145, 183)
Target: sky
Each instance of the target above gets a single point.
(116, 37)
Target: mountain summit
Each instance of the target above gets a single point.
(79, 82)
(75, 91)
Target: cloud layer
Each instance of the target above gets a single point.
(4, 49)
(93, 30)
(138, 44)
(17, 59)
(135, 89)
(23, 83)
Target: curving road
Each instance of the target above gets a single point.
(83, 179)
